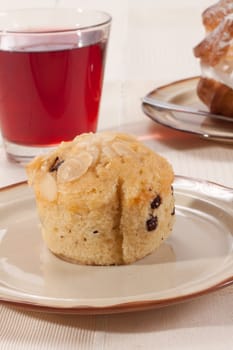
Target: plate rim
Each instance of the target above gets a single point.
(122, 307)
(204, 136)
(131, 306)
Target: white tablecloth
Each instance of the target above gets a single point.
(204, 323)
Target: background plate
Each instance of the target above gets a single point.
(196, 259)
(183, 92)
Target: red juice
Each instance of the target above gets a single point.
(50, 96)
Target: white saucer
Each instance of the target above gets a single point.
(183, 92)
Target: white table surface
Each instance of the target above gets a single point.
(166, 31)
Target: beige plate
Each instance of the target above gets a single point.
(197, 258)
(183, 92)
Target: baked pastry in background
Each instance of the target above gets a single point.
(214, 14)
(103, 199)
(215, 87)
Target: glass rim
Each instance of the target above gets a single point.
(107, 19)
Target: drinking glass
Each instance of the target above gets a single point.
(51, 74)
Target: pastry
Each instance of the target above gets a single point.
(103, 199)
(215, 87)
(214, 14)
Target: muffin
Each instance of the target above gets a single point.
(215, 51)
(103, 199)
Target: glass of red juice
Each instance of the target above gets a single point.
(51, 74)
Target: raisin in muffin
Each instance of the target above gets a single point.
(103, 199)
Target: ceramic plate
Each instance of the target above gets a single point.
(196, 259)
(183, 92)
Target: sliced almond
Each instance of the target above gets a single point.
(74, 168)
(106, 137)
(84, 138)
(48, 187)
(122, 148)
(94, 151)
(108, 152)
